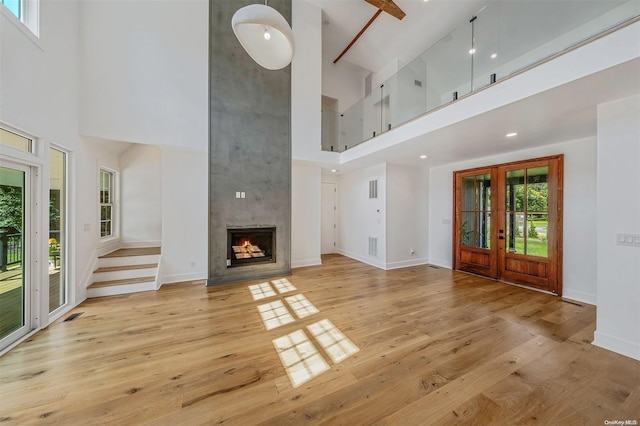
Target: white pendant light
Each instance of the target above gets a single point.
(265, 35)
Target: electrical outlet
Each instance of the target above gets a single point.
(412, 252)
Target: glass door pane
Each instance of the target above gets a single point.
(57, 221)
(526, 209)
(475, 224)
(13, 306)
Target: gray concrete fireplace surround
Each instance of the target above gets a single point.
(249, 148)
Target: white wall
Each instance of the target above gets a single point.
(406, 215)
(39, 95)
(579, 205)
(343, 81)
(381, 76)
(306, 80)
(360, 217)
(141, 195)
(306, 208)
(144, 71)
(618, 211)
(185, 197)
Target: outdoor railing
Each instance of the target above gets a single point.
(504, 38)
(10, 249)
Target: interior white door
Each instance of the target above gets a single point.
(328, 238)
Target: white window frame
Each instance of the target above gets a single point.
(113, 203)
(29, 18)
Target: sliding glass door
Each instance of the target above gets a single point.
(57, 229)
(15, 232)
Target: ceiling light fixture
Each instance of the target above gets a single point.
(423, 156)
(494, 55)
(472, 51)
(510, 135)
(265, 34)
(334, 170)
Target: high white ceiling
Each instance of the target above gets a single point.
(388, 38)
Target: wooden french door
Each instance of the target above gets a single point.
(508, 222)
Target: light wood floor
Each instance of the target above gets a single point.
(436, 347)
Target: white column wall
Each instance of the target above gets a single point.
(141, 196)
(618, 211)
(306, 220)
(185, 197)
(407, 216)
(306, 81)
(360, 217)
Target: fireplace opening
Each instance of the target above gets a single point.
(248, 246)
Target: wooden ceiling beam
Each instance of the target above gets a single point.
(373, 18)
(388, 6)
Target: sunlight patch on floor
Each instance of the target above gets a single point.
(274, 314)
(283, 285)
(301, 306)
(261, 291)
(300, 358)
(334, 343)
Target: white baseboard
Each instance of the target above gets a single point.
(615, 344)
(139, 244)
(87, 277)
(121, 289)
(441, 263)
(307, 262)
(579, 296)
(406, 263)
(107, 247)
(368, 260)
(180, 278)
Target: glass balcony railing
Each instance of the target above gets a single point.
(504, 38)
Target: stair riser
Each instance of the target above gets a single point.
(121, 289)
(123, 275)
(106, 262)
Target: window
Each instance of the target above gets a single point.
(26, 11)
(14, 140)
(13, 6)
(106, 203)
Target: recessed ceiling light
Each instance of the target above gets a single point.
(334, 170)
(494, 55)
(472, 51)
(423, 156)
(510, 135)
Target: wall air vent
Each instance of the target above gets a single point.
(73, 316)
(373, 189)
(373, 247)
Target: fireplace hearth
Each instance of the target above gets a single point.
(250, 246)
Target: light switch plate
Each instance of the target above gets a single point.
(630, 240)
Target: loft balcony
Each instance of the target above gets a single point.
(502, 41)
